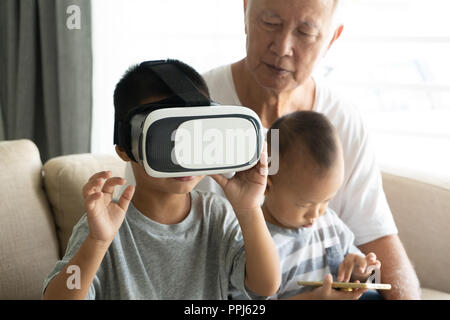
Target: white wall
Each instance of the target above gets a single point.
(202, 33)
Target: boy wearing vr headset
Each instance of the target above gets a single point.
(162, 239)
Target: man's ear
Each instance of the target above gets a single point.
(337, 33)
(245, 15)
(122, 154)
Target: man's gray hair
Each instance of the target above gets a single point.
(338, 12)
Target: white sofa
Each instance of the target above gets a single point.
(41, 203)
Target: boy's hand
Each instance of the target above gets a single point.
(246, 188)
(354, 267)
(326, 292)
(104, 216)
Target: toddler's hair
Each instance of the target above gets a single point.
(310, 132)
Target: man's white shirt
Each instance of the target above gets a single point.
(361, 202)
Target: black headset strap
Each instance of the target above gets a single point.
(185, 94)
(177, 82)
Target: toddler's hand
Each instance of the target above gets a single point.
(355, 267)
(326, 292)
(246, 188)
(104, 216)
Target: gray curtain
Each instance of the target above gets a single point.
(2, 134)
(46, 74)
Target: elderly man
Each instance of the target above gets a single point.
(285, 41)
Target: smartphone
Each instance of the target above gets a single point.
(348, 286)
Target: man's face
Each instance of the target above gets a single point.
(285, 40)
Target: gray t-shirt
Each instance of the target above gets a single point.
(197, 258)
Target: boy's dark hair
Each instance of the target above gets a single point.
(140, 83)
(307, 131)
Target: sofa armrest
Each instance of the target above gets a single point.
(28, 244)
(422, 213)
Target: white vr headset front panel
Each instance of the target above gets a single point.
(230, 141)
(212, 140)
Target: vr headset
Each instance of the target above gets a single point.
(187, 134)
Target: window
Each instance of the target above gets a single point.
(202, 33)
(392, 61)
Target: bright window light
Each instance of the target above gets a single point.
(202, 33)
(392, 61)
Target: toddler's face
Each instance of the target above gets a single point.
(298, 195)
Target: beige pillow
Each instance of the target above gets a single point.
(64, 179)
(28, 244)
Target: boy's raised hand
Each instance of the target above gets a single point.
(246, 188)
(104, 216)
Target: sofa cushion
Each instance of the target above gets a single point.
(64, 179)
(28, 244)
(421, 212)
(429, 294)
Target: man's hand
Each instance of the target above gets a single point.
(246, 188)
(355, 267)
(104, 216)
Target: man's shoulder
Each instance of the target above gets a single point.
(343, 112)
(221, 85)
(334, 104)
(216, 74)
